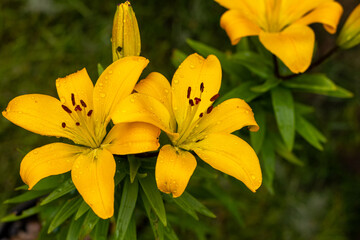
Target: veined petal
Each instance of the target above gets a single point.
(231, 155)
(328, 13)
(93, 176)
(294, 46)
(40, 114)
(51, 159)
(237, 26)
(195, 78)
(76, 89)
(144, 108)
(131, 138)
(173, 170)
(227, 117)
(115, 83)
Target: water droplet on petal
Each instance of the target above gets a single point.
(192, 66)
(36, 152)
(101, 84)
(62, 100)
(253, 177)
(166, 91)
(176, 81)
(102, 95)
(110, 72)
(132, 100)
(57, 84)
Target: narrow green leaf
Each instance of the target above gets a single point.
(242, 91)
(282, 150)
(65, 188)
(243, 45)
(152, 193)
(268, 164)
(195, 204)
(312, 82)
(131, 230)
(177, 57)
(303, 109)
(283, 104)
(119, 176)
(339, 92)
(65, 212)
(102, 229)
(257, 138)
(28, 195)
(90, 222)
(134, 163)
(50, 182)
(309, 132)
(26, 213)
(75, 228)
(254, 62)
(84, 207)
(269, 83)
(170, 233)
(127, 206)
(181, 202)
(100, 69)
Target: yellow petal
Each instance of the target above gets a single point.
(115, 83)
(143, 108)
(294, 46)
(131, 138)
(40, 114)
(76, 89)
(227, 117)
(93, 176)
(51, 159)
(328, 13)
(173, 170)
(192, 73)
(231, 155)
(237, 26)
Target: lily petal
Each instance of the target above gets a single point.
(328, 13)
(131, 138)
(193, 73)
(75, 88)
(93, 176)
(115, 83)
(51, 159)
(294, 46)
(237, 26)
(173, 170)
(40, 114)
(231, 155)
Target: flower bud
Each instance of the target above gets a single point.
(350, 33)
(125, 34)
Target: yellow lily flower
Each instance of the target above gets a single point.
(81, 115)
(281, 25)
(184, 111)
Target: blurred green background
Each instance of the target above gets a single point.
(41, 40)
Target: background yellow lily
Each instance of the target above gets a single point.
(184, 111)
(81, 115)
(281, 25)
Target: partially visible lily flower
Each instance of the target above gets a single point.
(184, 111)
(281, 25)
(82, 115)
(350, 33)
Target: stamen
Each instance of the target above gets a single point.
(78, 108)
(188, 92)
(83, 103)
(66, 109)
(209, 109)
(201, 115)
(191, 102)
(216, 96)
(197, 100)
(89, 113)
(63, 125)
(73, 99)
(202, 87)
(77, 124)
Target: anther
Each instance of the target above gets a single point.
(63, 125)
(188, 92)
(89, 113)
(78, 108)
(202, 87)
(216, 96)
(191, 102)
(201, 115)
(73, 99)
(197, 100)
(209, 109)
(77, 124)
(66, 109)
(83, 103)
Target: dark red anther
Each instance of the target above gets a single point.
(201, 115)
(188, 92)
(83, 103)
(202, 87)
(191, 102)
(209, 109)
(197, 100)
(63, 125)
(77, 124)
(78, 108)
(216, 96)
(66, 109)
(89, 113)
(73, 99)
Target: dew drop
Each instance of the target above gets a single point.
(101, 84)
(166, 91)
(246, 111)
(176, 81)
(57, 84)
(192, 66)
(132, 100)
(62, 100)
(110, 72)
(253, 177)
(102, 95)
(36, 152)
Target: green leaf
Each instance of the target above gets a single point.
(181, 202)
(243, 45)
(75, 228)
(134, 163)
(192, 203)
(50, 182)
(177, 57)
(312, 82)
(127, 206)
(170, 233)
(242, 91)
(153, 195)
(131, 230)
(267, 160)
(65, 212)
(65, 188)
(254, 62)
(90, 222)
(257, 138)
(339, 92)
(283, 104)
(28, 195)
(84, 207)
(309, 132)
(119, 176)
(303, 109)
(24, 214)
(282, 150)
(100, 69)
(269, 83)
(102, 229)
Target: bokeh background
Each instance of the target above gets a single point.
(41, 40)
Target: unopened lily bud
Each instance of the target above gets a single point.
(125, 34)
(350, 33)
